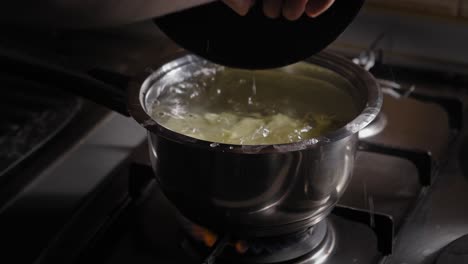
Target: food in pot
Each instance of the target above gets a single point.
(236, 128)
(242, 107)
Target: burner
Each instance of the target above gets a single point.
(312, 245)
(455, 253)
(375, 127)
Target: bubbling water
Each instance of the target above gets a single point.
(241, 107)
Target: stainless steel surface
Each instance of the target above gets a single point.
(322, 252)
(86, 14)
(423, 42)
(289, 185)
(415, 125)
(389, 184)
(375, 127)
(455, 253)
(441, 217)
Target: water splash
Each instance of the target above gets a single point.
(254, 85)
(369, 203)
(372, 211)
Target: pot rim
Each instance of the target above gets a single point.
(335, 63)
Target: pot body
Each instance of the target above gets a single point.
(253, 194)
(256, 190)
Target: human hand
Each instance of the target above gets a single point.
(290, 9)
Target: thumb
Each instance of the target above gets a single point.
(239, 6)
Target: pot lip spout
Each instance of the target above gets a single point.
(342, 66)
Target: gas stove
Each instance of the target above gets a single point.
(94, 199)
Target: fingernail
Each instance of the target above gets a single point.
(312, 15)
(318, 7)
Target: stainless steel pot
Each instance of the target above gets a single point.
(256, 190)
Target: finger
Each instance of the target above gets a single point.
(315, 8)
(241, 7)
(293, 9)
(272, 8)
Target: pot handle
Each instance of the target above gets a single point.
(420, 158)
(32, 71)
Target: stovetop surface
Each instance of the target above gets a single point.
(149, 236)
(426, 218)
(83, 207)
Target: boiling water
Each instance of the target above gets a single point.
(242, 107)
